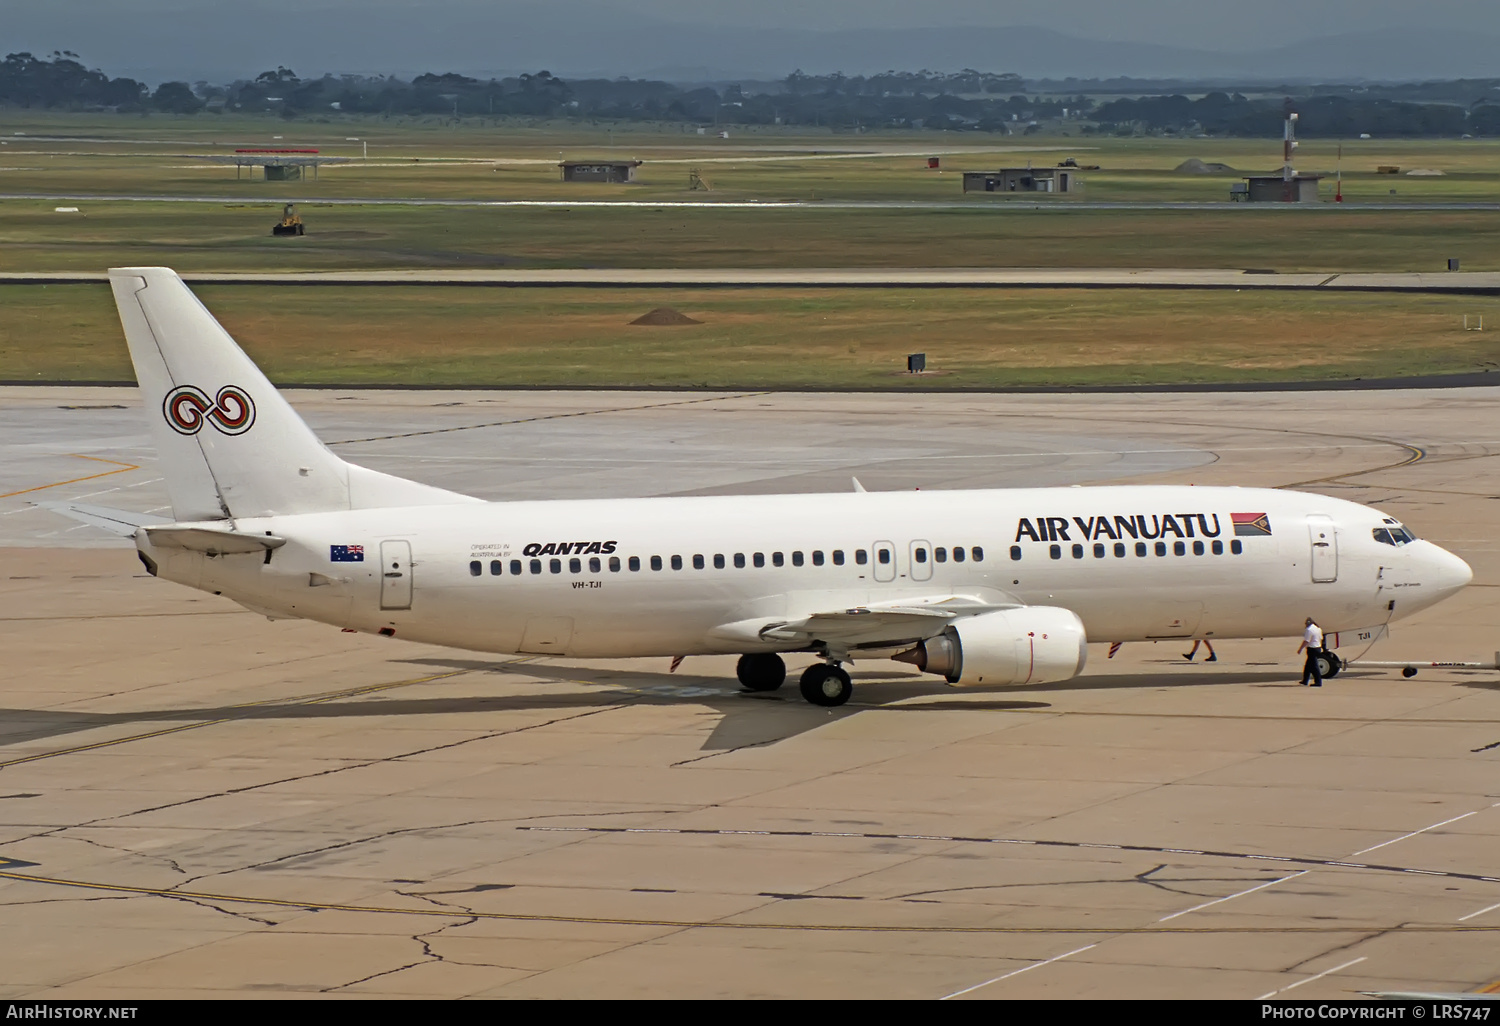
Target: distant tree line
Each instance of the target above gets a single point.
(1339, 117)
(965, 100)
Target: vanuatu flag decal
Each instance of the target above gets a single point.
(1246, 524)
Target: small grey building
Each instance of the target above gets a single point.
(1023, 179)
(1278, 189)
(617, 171)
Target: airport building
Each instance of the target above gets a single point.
(1023, 179)
(1299, 188)
(617, 171)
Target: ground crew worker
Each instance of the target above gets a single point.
(1194, 651)
(1312, 641)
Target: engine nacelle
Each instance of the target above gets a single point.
(1030, 645)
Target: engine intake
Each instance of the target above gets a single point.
(1031, 645)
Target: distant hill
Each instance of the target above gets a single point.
(579, 39)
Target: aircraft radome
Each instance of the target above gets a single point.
(989, 587)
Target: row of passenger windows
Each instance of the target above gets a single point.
(1121, 550)
(883, 556)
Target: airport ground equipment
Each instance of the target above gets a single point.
(290, 223)
(1409, 667)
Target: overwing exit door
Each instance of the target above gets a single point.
(395, 575)
(1325, 548)
(883, 553)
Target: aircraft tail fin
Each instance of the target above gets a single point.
(230, 445)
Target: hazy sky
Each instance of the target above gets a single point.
(1207, 24)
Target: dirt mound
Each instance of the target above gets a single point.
(664, 316)
(1194, 166)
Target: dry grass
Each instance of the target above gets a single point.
(804, 338)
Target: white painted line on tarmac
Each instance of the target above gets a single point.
(1414, 833)
(1472, 915)
(1241, 894)
(1017, 972)
(1325, 972)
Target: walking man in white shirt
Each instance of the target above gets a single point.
(1312, 641)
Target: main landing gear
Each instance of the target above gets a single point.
(762, 671)
(826, 684)
(821, 683)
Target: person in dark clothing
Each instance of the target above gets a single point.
(1312, 642)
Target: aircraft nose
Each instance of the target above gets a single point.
(1445, 572)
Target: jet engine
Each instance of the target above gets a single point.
(1030, 645)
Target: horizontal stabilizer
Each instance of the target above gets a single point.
(211, 540)
(116, 521)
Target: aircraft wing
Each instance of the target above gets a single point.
(876, 626)
(116, 521)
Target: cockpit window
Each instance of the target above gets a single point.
(1393, 535)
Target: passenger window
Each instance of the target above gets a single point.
(1140, 548)
(739, 561)
(556, 566)
(958, 554)
(1119, 550)
(1235, 547)
(940, 555)
(575, 566)
(1179, 548)
(838, 557)
(861, 557)
(593, 564)
(656, 562)
(614, 564)
(536, 566)
(1077, 551)
(718, 560)
(1056, 552)
(634, 564)
(677, 562)
(698, 562)
(976, 554)
(817, 557)
(1218, 547)
(515, 567)
(1098, 550)
(920, 555)
(1161, 548)
(760, 559)
(883, 555)
(777, 559)
(1015, 552)
(797, 558)
(475, 569)
(495, 566)
(1197, 548)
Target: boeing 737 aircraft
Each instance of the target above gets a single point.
(979, 587)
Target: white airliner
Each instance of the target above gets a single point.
(984, 588)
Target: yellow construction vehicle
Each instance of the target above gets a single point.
(290, 223)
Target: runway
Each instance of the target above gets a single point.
(1452, 282)
(200, 802)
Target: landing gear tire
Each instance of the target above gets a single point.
(823, 684)
(1329, 665)
(762, 671)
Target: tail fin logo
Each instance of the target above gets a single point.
(187, 407)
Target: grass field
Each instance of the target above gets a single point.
(216, 237)
(770, 338)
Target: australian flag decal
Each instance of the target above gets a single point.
(1250, 524)
(346, 553)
